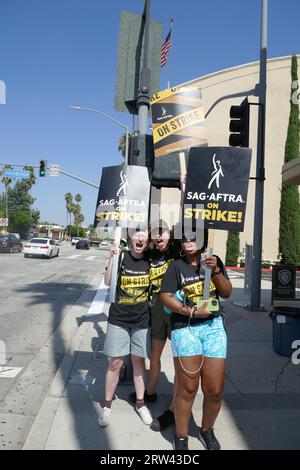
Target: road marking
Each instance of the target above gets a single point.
(9, 372)
(73, 256)
(89, 258)
(97, 305)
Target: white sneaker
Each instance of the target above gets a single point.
(103, 418)
(145, 415)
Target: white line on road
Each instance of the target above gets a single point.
(99, 300)
(73, 256)
(90, 258)
(9, 372)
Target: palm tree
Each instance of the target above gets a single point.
(32, 178)
(6, 181)
(69, 202)
(78, 198)
(122, 145)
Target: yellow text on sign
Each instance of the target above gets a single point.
(187, 119)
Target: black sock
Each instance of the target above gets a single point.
(107, 403)
(140, 403)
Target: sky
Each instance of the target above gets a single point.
(56, 53)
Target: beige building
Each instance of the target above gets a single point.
(238, 79)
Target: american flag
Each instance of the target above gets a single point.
(165, 49)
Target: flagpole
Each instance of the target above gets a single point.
(170, 52)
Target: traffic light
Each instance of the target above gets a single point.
(43, 164)
(239, 124)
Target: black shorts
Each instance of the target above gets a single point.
(160, 322)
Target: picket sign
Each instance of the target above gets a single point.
(210, 243)
(115, 265)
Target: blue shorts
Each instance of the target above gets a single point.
(208, 339)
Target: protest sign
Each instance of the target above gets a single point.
(217, 186)
(123, 199)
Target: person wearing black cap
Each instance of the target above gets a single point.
(198, 339)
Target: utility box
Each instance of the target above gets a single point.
(286, 329)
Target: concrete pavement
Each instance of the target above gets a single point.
(261, 408)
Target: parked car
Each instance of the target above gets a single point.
(9, 243)
(82, 245)
(104, 243)
(41, 247)
(75, 240)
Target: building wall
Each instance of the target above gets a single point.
(239, 79)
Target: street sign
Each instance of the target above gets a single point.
(3, 222)
(53, 170)
(17, 174)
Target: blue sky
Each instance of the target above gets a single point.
(55, 53)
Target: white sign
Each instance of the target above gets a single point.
(53, 170)
(3, 222)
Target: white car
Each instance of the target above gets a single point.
(104, 243)
(41, 247)
(75, 240)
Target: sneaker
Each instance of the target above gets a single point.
(163, 421)
(144, 414)
(104, 415)
(180, 443)
(147, 398)
(209, 439)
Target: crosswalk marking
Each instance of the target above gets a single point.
(9, 372)
(73, 256)
(90, 258)
(97, 305)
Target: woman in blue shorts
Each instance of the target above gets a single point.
(199, 341)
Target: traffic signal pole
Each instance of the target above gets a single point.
(60, 171)
(255, 297)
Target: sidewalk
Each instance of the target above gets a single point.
(261, 408)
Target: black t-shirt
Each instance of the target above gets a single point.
(131, 308)
(190, 278)
(159, 263)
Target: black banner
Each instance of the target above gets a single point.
(123, 198)
(217, 186)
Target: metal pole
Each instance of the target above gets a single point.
(143, 100)
(170, 53)
(255, 298)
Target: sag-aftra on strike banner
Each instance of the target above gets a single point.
(178, 120)
(217, 186)
(123, 198)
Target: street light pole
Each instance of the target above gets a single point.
(80, 108)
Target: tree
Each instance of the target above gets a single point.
(6, 181)
(122, 145)
(232, 248)
(289, 225)
(69, 201)
(32, 178)
(19, 198)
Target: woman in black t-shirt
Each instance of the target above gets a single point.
(198, 340)
(128, 326)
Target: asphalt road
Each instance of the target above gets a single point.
(36, 295)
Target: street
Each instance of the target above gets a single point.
(36, 299)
